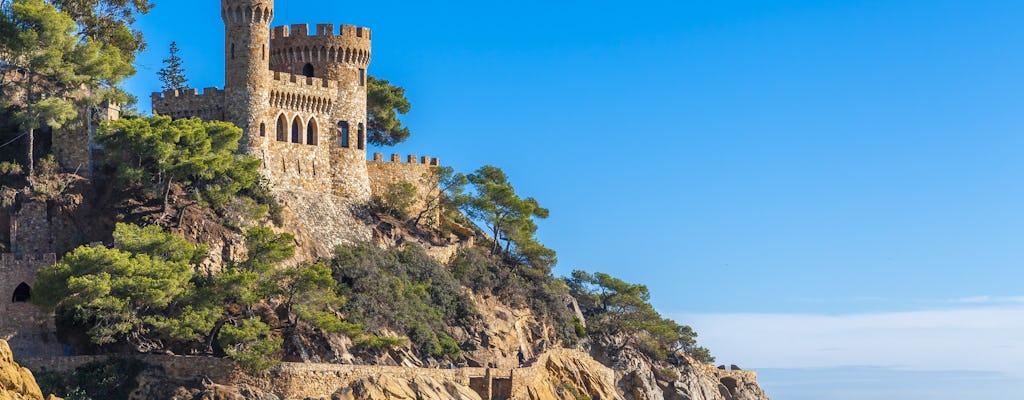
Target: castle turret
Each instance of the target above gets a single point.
(341, 56)
(247, 66)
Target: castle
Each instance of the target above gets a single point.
(300, 100)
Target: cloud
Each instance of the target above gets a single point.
(989, 300)
(956, 339)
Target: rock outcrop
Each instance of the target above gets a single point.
(638, 378)
(570, 375)
(16, 382)
(384, 387)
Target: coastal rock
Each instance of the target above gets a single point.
(384, 387)
(638, 378)
(16, 382)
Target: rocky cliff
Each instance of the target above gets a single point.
(639, 378)
(16, 382)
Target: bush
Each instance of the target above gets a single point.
(397, 199)
(403, 290)
(666, 374)
(114, 379)
(377, 344)
(10, 168)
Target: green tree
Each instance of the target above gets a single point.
(510, 218)
(446, 191)
(384, 103)
(172, 75)
(119, 293)
(158, 152)
(402, 290)
(47, 65)
(616, 308)
(397, 199)
(109, 21)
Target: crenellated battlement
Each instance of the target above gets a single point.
(185, 93)
(247, 11)
(285, 79)
(10, 261)
(349, 45)
(322, 31)
(409, 159)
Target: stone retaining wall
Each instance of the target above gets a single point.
(317, 380)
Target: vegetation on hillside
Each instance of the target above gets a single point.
(150, 155)
(145, 292)
(622, 311)
(403, 290)
(509, 218)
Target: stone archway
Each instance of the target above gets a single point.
(22, 293)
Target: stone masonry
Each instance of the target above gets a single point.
(299, 97)
(28, 330)
(315, 380)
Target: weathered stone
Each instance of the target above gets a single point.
(16, 382)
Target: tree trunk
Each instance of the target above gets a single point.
(167, 197)
(31, 157)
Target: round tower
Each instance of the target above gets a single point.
(247, 65)
(340, 55)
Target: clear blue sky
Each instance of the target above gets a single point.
(825, 163)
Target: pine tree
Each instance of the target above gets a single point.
(49, 69)
(172, 75)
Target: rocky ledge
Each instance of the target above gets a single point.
(17, 382)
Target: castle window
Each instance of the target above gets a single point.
(296, 131)
(311, 132)
(263, 129)
(232, 51)
(362, 77)
(307, 70)
(282, 126)
(362, 137)
(343, 133)
(22, 293)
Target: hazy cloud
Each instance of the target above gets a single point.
(976, 339)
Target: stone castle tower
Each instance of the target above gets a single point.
(300, 99)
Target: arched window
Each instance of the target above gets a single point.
(296, 131)
(263, 129)
(307, 70)
(282, 129)
(22, 293)
(362, 137)
(311, 132)
(343, 133)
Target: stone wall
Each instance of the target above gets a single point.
(30, 231)
(207, 105)
(314, 380)
(418, 171)
(25, 326)
(73, 144)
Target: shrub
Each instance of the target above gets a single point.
(377, 344)
(403, 290)
(114, 378)
(397, 199)
(10, 168)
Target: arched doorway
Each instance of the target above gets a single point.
(307, 70)
(22, 293)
